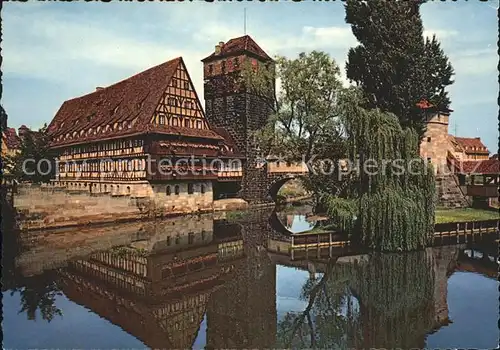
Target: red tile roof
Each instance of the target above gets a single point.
(424, 104)
(127, 107)
(487, 166)
(11, 139)
(471, 145)
(243, 44)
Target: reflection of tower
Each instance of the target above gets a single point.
(445, 260)
(242, 314)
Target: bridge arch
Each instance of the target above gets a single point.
(277, 183)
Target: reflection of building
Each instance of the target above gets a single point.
(157, 289)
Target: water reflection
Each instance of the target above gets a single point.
(205, 282)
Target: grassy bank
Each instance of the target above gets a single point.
(462, 215)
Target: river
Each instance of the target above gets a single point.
(206, 283)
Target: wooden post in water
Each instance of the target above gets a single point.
(457, 232)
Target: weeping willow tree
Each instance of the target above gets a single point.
(387, 202)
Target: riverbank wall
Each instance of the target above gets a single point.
(40, 208)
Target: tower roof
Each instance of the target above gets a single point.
(426, 105)
(243, 44)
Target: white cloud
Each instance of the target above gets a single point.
(441, 34)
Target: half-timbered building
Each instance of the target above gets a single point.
(143, 136)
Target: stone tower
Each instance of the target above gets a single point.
(435, 143)
(229, 105)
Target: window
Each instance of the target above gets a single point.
(190, 188)
(176, 189)
(186, 123)
(188, 104)
(428, 160)
(202, 189)
(169, 191)
(223, 67)
(186, 85)
(174, 83)
(428, 139)
(198, 124)
(190, 238)
(162, 119)
(128, 189)
(210, 69)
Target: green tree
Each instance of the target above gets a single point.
(393, 64)
(388, 198)
(305, 121)
(36, 161)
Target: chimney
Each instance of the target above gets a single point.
(218, 47)
(98, 88)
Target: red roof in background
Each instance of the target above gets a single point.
(487, 166)
(243, 44)
(424, 104)
(131, 99)
(469, 143)
(11, 139)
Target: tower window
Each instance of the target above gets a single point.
(428, 139)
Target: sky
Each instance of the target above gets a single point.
(55, 51)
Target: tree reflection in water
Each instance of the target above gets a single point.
(385, 301)
(38, 293)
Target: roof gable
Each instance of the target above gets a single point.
(12, 141)
(119, 109)
(243, 44)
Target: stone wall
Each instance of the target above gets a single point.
(50, 207)
(449, 194)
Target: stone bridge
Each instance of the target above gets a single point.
(261, 184)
